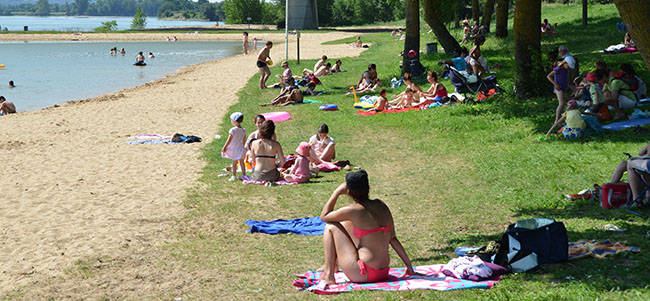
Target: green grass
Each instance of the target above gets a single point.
(454, 176)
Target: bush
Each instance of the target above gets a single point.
(107, 26)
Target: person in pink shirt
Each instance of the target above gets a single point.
(299, 172)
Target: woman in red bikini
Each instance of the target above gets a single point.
(357, 236)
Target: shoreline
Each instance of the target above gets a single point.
(74, 190)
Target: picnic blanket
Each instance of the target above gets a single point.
(621, 125)
(596, 249)
(300, 226)
(160, 141)
(433, 279)
(248, 180)
(368, 113)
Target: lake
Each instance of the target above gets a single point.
(61, 23)
(48, 73)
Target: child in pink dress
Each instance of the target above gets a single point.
(299, 172)
(234, 147)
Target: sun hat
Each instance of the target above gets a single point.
(572, 102)
(412, 53)
(235, 116)
(303, 149)
(357, 180)
(284, 63)
(591, 77)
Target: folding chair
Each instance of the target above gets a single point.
(639, 173)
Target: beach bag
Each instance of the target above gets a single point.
(614, 195)
(544, 237)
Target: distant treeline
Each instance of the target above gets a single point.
(181, 9)
(330, 12)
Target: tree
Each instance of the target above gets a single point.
(139, 19)
(446, 40)
(475, 11)
(82, 6)
(237, 11)
(528, 58)
(502, 18)
(636, 15)
(107, 26)
(584, 13)
(412, 41)
(487, 14)
(42, 8)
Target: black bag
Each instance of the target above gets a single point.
(546, 238)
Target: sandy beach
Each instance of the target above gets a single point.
(72, 189)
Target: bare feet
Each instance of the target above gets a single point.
(328, 278)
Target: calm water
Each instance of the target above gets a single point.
(14, 23)
(48, 73)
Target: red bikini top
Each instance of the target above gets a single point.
(363, 232)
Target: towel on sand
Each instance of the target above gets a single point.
(301, 226)
(433, 279)
(596, 249)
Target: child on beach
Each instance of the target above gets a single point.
(407, 99)
(299, 171)
(254, 43)
(234, 147)
(382, 101)
(245, 43)
(575, 124)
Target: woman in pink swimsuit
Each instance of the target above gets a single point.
(357, 236)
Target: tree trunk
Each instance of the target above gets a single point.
(529, 75)
(584, 13)
(502, 18)
(487, 14)
(475, 11)
(636, 15)
(412, 41)
(457, 12)
(446, 40)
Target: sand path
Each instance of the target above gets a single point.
(72, 188)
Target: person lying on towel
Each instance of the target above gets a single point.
(357, 236)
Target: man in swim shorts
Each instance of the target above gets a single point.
(262, 65)
(6, 107)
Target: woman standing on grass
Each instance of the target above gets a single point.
(559, 78)
(357, 236)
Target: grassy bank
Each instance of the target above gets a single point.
(454, 176)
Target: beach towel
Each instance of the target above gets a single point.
(433, 279)
(300, 226)
(161, 141)
(308, 101)
(248, 180)
(368, 113)
(328, 167)
(596, 249)
(151, 136)
(621, 125)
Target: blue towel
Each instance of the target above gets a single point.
(621, 125)
(301, 226)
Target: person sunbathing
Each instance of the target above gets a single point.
(323, 147)
(321, 71)
(289, 95)
(337, 67)
(408, 81)
(406, 100)
(628, 42)
(641, 163)
(284, 77)
(357, 236)
(437, 91)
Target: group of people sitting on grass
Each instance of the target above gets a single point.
(262, 151)
(291, 93)
(592, 93)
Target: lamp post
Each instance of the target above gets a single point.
(249, 22)
(286, 31)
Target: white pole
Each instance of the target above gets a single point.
(286, 31)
